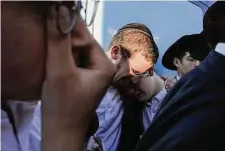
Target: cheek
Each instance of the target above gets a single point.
(23, 56)
(146, 90)
(145, 85)
(35, 52)
(189, 66)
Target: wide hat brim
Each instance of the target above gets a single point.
(194, 42)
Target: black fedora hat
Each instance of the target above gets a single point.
(214, 23)
(195, 44)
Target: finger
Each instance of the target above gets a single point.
(163, 78)
(168, 82)
(84, 41)
(59, 50)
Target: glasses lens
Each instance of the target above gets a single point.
(74, 8)
(146, 74)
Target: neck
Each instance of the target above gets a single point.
(107, 54)
(179, 74)
(158, 84)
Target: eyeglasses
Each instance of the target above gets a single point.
(135, 73)
(87, 5)
(74, 12)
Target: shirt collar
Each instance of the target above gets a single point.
(220, 48)
(177, 77)
(159, 96)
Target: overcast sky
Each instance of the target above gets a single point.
(168, 21)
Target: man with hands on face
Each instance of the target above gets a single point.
(41, 48)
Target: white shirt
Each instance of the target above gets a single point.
(27, 126)
(177, 77)
(220, 48)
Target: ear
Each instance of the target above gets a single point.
(115, 52)
(176, 62)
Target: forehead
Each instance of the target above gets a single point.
(40, 6)
(139, 62)
(187, 54)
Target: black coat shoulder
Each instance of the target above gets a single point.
(192, 115)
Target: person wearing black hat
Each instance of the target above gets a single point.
(184, 55)
(191, 117)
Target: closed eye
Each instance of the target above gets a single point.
(136, 72)
(190, 59)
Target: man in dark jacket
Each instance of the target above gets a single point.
(191, 118)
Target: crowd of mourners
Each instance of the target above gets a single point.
(62, 92)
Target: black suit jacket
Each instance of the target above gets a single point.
(192, 116)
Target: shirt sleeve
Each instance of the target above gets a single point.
(109, 112)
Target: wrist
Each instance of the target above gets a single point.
(58, 137)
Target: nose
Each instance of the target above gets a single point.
(136, 80)
(197, 63)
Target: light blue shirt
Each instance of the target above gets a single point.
(151, 108)
(110, 113)
(27, 124)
